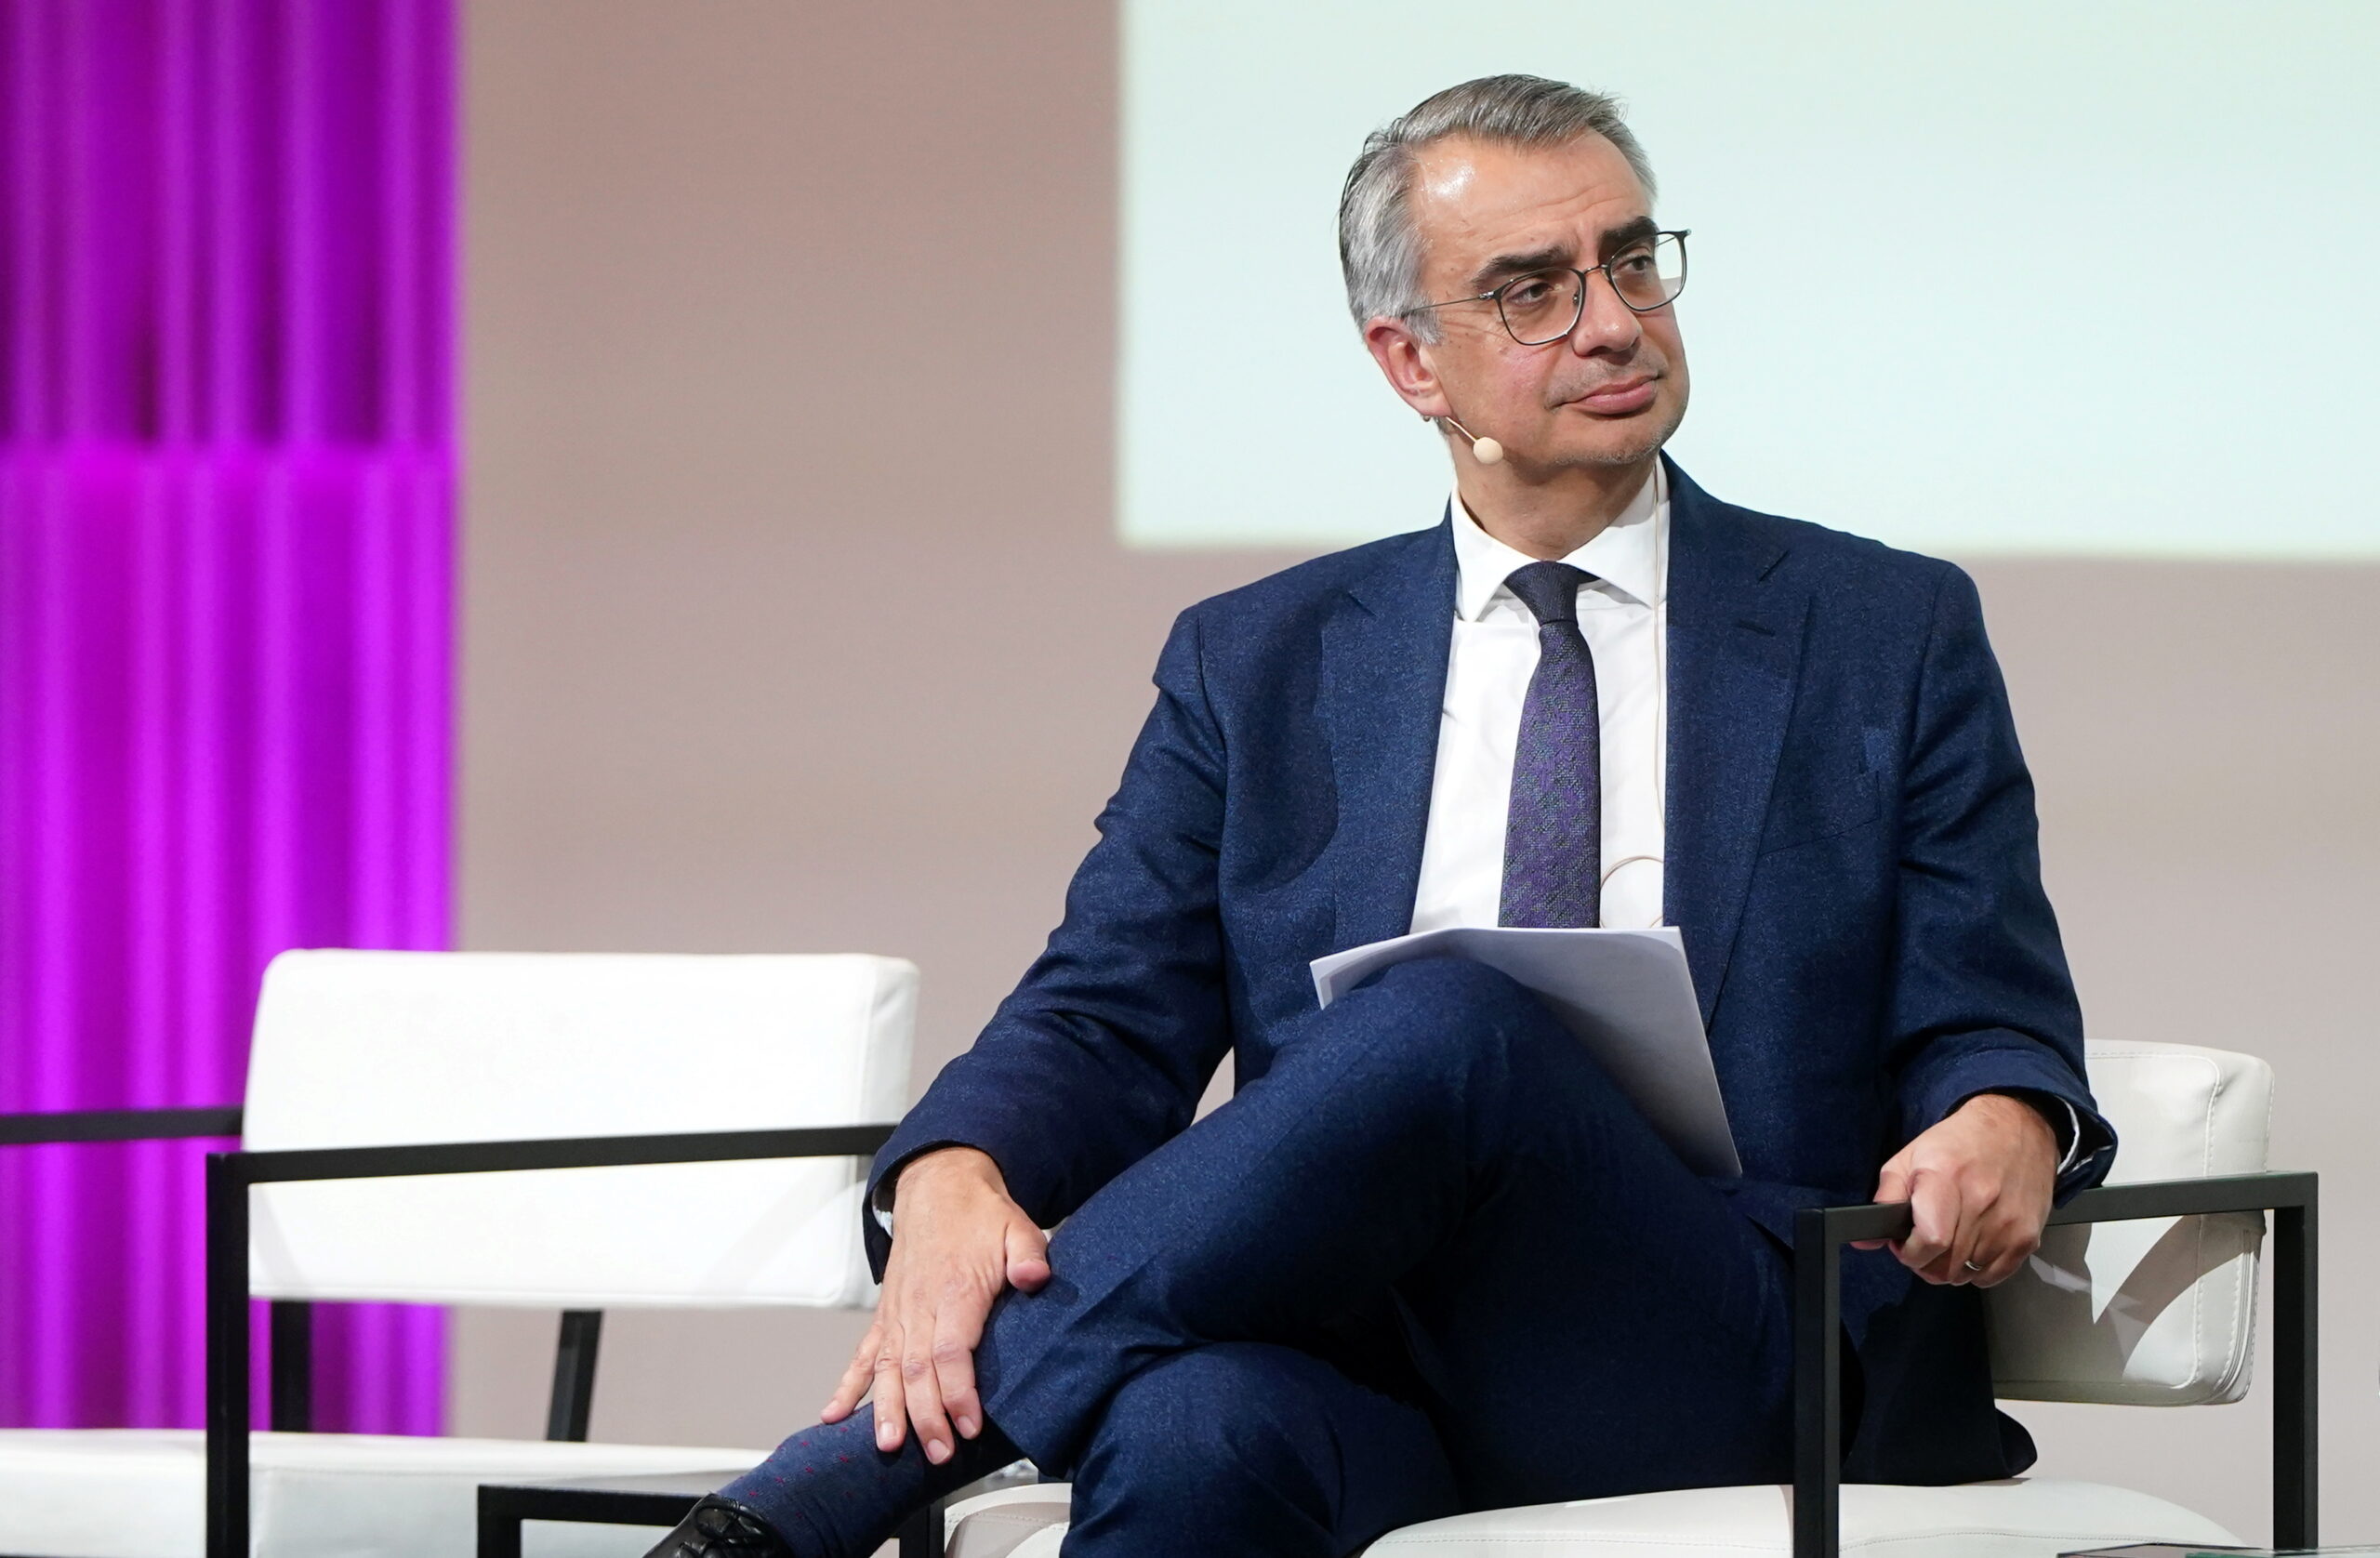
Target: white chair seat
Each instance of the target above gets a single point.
(2024, 1517)
(140, 1493)
(992, 1524)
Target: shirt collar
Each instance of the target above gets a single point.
(1624, 554)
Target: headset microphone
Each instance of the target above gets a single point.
(1486, 451)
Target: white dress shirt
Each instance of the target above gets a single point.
(1624, 614)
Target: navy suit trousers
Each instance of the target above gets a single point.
(1432, 1261)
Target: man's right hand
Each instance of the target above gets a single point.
(958, 1242)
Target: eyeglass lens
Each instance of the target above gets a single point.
(1545, 305)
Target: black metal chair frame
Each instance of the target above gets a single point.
(1819, 1235)
(230, 1175)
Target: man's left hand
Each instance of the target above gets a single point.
(1978, 1185)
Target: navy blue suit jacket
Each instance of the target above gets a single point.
(1850, 857)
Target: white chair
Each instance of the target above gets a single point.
(720, 1110)
(2154, 1309)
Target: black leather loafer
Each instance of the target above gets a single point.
(721, 1529)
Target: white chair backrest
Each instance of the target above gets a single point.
(372, 1049)
(2158, 1312)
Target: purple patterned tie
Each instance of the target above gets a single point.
(1554, 829)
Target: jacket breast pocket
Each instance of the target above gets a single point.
(1819, 806)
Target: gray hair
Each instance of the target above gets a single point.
(1379, 249)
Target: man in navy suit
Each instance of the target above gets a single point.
(1429, 1258)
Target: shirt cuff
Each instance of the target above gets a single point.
(2073, 1142)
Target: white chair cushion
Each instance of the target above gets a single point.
(2158, 1312)
(2020, 1518)
(993, 1525)
(140, 1493)
(364, 1049)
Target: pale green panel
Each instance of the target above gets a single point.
(1969, 278)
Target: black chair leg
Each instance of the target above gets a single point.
(574, 1394)
(922, 1535)
(291, 1353)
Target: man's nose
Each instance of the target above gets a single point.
(1605, 324)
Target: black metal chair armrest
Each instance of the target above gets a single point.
(282, 1166)
(1820, 1233)
(40, 1128)
(230, 1175)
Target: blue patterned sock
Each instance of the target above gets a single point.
(830, 1493)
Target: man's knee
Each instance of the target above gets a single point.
(1451, 986)
(1435, 1012)
(1450, 1034)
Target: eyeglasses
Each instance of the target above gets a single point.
(1538, 307)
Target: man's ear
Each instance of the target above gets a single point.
(1405, 362)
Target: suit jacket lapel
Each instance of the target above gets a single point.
(1383, 684)
(1734, 648)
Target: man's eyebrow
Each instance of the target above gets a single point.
(1503, 266)
(1626, 235)
(1639, 229)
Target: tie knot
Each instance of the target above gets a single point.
(1549, 590)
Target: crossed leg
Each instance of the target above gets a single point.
(1583, 1314)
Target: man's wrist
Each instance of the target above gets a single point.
(947, 1165)
(2065, 1123)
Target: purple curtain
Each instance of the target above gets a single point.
(227, 473)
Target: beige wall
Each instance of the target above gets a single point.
(789, 629)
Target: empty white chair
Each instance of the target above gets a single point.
(2157, 1312)
(377, 1050)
